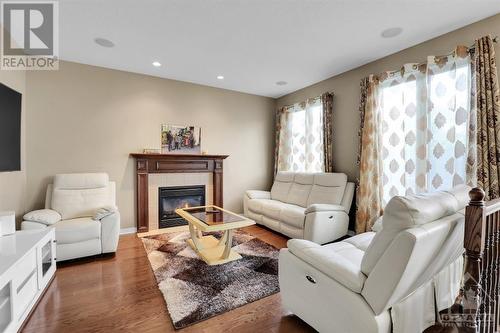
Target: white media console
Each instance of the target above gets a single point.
(27, 265)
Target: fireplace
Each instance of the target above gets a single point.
(173, 197)
(156, 165)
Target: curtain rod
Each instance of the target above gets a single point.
(319, 96)
(469, 49)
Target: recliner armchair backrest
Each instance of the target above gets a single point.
(304, 189)
(80, 195)
(421, 235)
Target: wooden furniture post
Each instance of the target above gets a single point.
(474, 243)
(476, 309)
(218, 184)
(142, 195)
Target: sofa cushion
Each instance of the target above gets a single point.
(44, 216)
(271, 223)
(77, 230)
(291, 231)
(328, 188)
(300, 189)
(293, 215)
(255, 205)
(361, 241)
(254, 216)
(402, 213)
(281, 186)
(272, 208)
(342, 265)
(353, 247)
(79, 203)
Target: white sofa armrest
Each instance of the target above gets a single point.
(103, 212)
(43, 216)
(329, 262)
(110, 232)
(324, 208)
(325, 226)
(348, 196)
(256, 194)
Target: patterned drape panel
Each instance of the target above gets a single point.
(301, 137)
(277, 123)
(369, 192)
(327, 102)
(488, 117)
(425, 111)
(414, 132)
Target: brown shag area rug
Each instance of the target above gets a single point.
(195, 291)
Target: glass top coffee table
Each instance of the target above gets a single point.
(212, 218)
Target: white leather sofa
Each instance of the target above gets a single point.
(312, 206)
(82, 209)
(394, 280)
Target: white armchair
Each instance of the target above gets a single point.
(395, 280)
(312, 206)
(82, 209)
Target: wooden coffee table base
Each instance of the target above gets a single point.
(212, 253)
(212, 250)
(211, 219)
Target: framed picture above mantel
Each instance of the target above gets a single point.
(177, 139)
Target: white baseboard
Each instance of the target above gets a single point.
(125, 231)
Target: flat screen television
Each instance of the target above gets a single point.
(10, 129)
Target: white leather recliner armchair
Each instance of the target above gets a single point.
(82, 209)
(312, 206)
(396, 279)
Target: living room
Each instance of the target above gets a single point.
(265, 166)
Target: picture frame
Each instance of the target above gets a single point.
(180, 139)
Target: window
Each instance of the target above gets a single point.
(301, 138)
(424, 118)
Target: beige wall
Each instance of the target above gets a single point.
(84, 119)
(13, 184)
(346, 87)
(87, 119)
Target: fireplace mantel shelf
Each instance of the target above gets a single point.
(177, 156)
(173, 163)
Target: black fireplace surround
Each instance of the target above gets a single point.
(173, 197)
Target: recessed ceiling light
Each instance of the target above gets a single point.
(391, 32)
(103, 42)
(220, 77)
(156, 64)
(281, 83)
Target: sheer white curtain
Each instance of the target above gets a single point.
(301, 137)
(425, 111)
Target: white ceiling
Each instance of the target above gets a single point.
(254, 43)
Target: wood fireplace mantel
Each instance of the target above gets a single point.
(173, 163)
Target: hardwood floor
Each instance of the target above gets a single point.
(120, 294)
